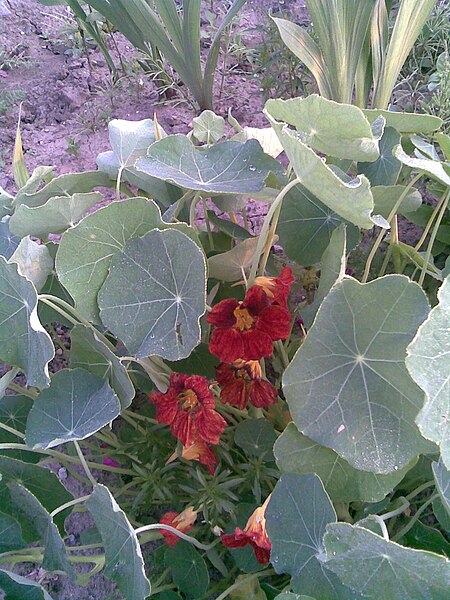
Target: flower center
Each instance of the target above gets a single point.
(188, 400)
(244, 319)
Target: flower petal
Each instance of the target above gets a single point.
(275, 321)
(255, 300)
(235, 394)
(222, 314)
(227, 344)
(257, 344)
(262, 394)
(210, 426)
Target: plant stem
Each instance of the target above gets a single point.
(282, 352)
(57, 339)
(430, 221)
(20, 390)
(433, 237)
(383, 231)
(192, 208)
(264, 236)
(243, 581)
(12, 430)
(415, 518)
(397, 511)
(420, 489)
(208, 224)
(180, 534)
(73, 502)
(84, 464)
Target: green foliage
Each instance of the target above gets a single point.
(320, 458)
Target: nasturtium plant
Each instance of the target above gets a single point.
(269, 402)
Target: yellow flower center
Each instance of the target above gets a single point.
(244, 319)
(188, 400)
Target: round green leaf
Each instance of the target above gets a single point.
(124, 563)
(8, 241)
(88, 352)
(41, 482)
(386, 197)
(208, 127)
(23, 341)
(189, 572)
(295, 453)
(348, 387)
(55, 556)
(154, 295)
(86, 250)
(339, 130)
(298, 512)
(226, 168)
(14, 413)
(379, 569)
(129, 140)
(34, 261)
(256, 437)
(433, 168)
(352, 200)
(442, 479)
(76, 405)
(385, 170)
(405, 122)
(17, 587)
(306, 225)
(428, 361)
(55, 216)
(10, 534)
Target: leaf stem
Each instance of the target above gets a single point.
(243, 581)
(431, 221)
(84, 464)
(415, 518)
(180, 534)
(73, 502)
(264, 236)
(420, 489)
(433, 237)
(383, 231)
(20, 390)
(397, 511)
(12, 430)
(192, 208)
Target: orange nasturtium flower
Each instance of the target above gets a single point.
(183, 521)
(277, 288)
(246, 330)
(188, 407)
(200, 451)
(242, 382)
(254, 533)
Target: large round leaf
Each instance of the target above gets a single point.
(123, 557)
(385, 170)
(378, 569)
(89, 352)
(8, 241)
(23, 341)
(76, 405)
(351, 199)
(348, 387)
(55, 216)
(339, 130)
(227, 168)
(295, 453)
(155, 295)
(298, 512)
(16, 586)
(428, 361)
(55, 556)
(85, 252)
(188, 569)
(306, 225)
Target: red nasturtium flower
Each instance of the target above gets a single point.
(277, 288)
(246, 330)
(184, 522)
(188, 407)
(198, 451)
(254, 534)
(242, 382)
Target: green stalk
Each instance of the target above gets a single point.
(433, 237)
